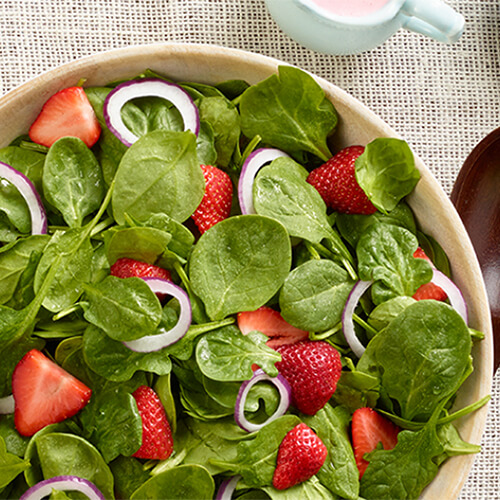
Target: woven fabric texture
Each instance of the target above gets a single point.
(441, 98)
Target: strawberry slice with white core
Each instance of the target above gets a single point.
(44, 393)
(270, 323)
(68, 113)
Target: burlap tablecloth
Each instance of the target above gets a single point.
(442, 99)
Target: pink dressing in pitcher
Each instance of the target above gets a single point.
(350, 8)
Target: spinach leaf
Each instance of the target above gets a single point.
(435, 252)
(72, 180)
(67, 454)
(208, 441)
(14, 208)
(163, 387)
(10, 465)
(185, 481)
(314, 294)
(256, 456)
(312, 489)
(339, 473)
(182, 239)
(352, 226)
(227, 355)
(159, 173)
(434, 342)
(384, 313)
(205, 144)
(385, 255)
(109, 149)
(129, 474)
(29, 163)
(453, 444)
(113, 361)
(404, 471)
(282, 192)
(386, 172)
(239, 264)
(356, 389)
(126, 309)
(74, 250)
(224, 120)
(290, 112)
(146, 244)
(15, 260)
(232, 88)
(111, 421)
(14, 442)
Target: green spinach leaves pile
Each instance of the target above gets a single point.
(112, 201)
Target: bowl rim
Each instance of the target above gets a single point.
(428, 189)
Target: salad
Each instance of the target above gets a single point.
(200, 299)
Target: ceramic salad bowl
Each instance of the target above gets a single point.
(434, 212)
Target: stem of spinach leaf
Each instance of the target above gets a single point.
(32, 146)
(361, 322)
(250, 147)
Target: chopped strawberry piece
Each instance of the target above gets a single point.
(44, 393)
(216, 203)
(270, 323)
(428, 290)
(157, 441)
(131, 268)
(312, 368)
(68, 113)
(369, 428)
(300, 456)
(336, 183)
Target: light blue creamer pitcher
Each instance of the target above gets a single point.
(324, 31)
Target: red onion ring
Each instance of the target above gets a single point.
(227, 487)
(64, 483)
(147, 87)
(454, 294)
(347, 322)
(259, 375)
(28, 191)
(152, 343)
(251, 166)
(7, 405)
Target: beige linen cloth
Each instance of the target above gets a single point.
(442, 99)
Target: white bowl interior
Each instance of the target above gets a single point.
(358, 125)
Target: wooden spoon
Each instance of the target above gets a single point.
(476, 196)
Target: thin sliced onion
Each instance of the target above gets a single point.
(260, 375)
(251, 166)
(63, 483)
(454, 294)
(152, 343)
(28, 191)
(348, 323)
(147, 87)
(7, 405)
(226, 489)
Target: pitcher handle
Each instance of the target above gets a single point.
(433, 18)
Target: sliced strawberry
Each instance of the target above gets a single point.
(312, 368)
(270, 323)
(44, 393)
(301, 455)
(336, 183)
(131, 268)
(428, 290)
(66, 113)
(216, 203)
(369, 428)
(157, 441)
